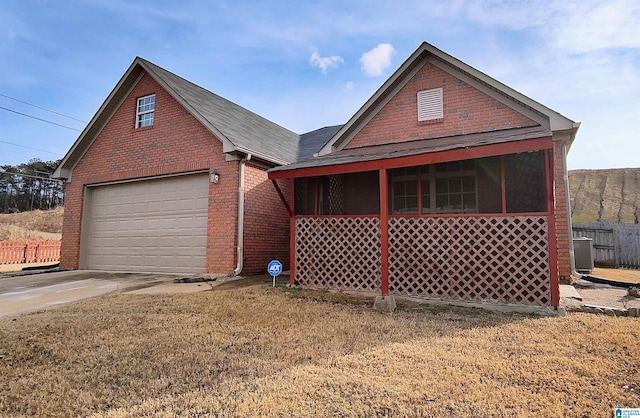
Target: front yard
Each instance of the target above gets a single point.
(277, 352)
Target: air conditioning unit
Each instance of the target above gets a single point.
(583, 254)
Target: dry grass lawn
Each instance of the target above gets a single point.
(260, 351)
(35, 225)
(621, 275)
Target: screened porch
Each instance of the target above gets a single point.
(475, 229)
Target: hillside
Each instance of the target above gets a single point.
(34, 225)
(611, 195)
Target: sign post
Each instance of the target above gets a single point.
(274, 268)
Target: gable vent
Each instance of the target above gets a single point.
(430, 104)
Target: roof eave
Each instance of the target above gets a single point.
(260, 156)
(99, 120)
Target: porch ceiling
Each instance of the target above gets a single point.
(371, 158)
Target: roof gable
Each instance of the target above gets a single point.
(236, 127)
(462, 109)
(244, 130)
(428, 54)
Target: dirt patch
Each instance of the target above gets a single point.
(244, 282)
(605, 295)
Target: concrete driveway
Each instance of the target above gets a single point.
(27, 293)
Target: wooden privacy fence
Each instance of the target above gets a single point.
(29, 252)
(614, 244)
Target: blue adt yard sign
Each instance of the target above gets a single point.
(274, 268)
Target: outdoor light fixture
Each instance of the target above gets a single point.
(215, 177)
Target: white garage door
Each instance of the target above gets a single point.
(153, 225)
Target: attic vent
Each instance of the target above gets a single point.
(430, 104)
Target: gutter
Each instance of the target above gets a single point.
(572, 257)
(240, 233)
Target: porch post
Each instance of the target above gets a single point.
(384, 302)
(292, 234)
(384, 232)
(551, 221)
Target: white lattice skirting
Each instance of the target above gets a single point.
(501, 259)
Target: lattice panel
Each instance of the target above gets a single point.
(504, 259)
(301, 195)
(336, 194)
(338, 253)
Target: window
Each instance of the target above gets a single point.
(144, 111)
(456, 194)
(443, 188)
(404, 190)
(455, 187)
(430, 105)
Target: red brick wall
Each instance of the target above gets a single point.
(561, 205)
(176, 143)
(466, 110)
(266, 223)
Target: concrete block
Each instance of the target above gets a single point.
(385, 303)
(634, 312)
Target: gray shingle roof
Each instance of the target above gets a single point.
(418, 147)
(247, 131)
(312, 141)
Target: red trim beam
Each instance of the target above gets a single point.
(416, 160)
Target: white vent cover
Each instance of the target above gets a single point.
(430, 104)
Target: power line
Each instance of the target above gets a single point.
(16, 152)
(42, 120)
(35, 149)
(42, 108)
(27, 175)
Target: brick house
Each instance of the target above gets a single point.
(170, 177)
(446, 184)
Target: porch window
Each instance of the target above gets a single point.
(404, 190)
(444, 188)
(455, 187)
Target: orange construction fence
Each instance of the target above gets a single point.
(29, 252)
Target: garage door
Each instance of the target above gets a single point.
(153, 225)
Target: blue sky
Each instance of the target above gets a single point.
(306, 65)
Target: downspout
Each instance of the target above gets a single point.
(572, 259)
(240, 248)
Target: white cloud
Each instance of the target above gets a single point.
(348, 85)
(575, 27)
(614, 24)
(325, 63)
(374, 62)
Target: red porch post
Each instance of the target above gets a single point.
(551, 220)
(384, 232)
(292, 233)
